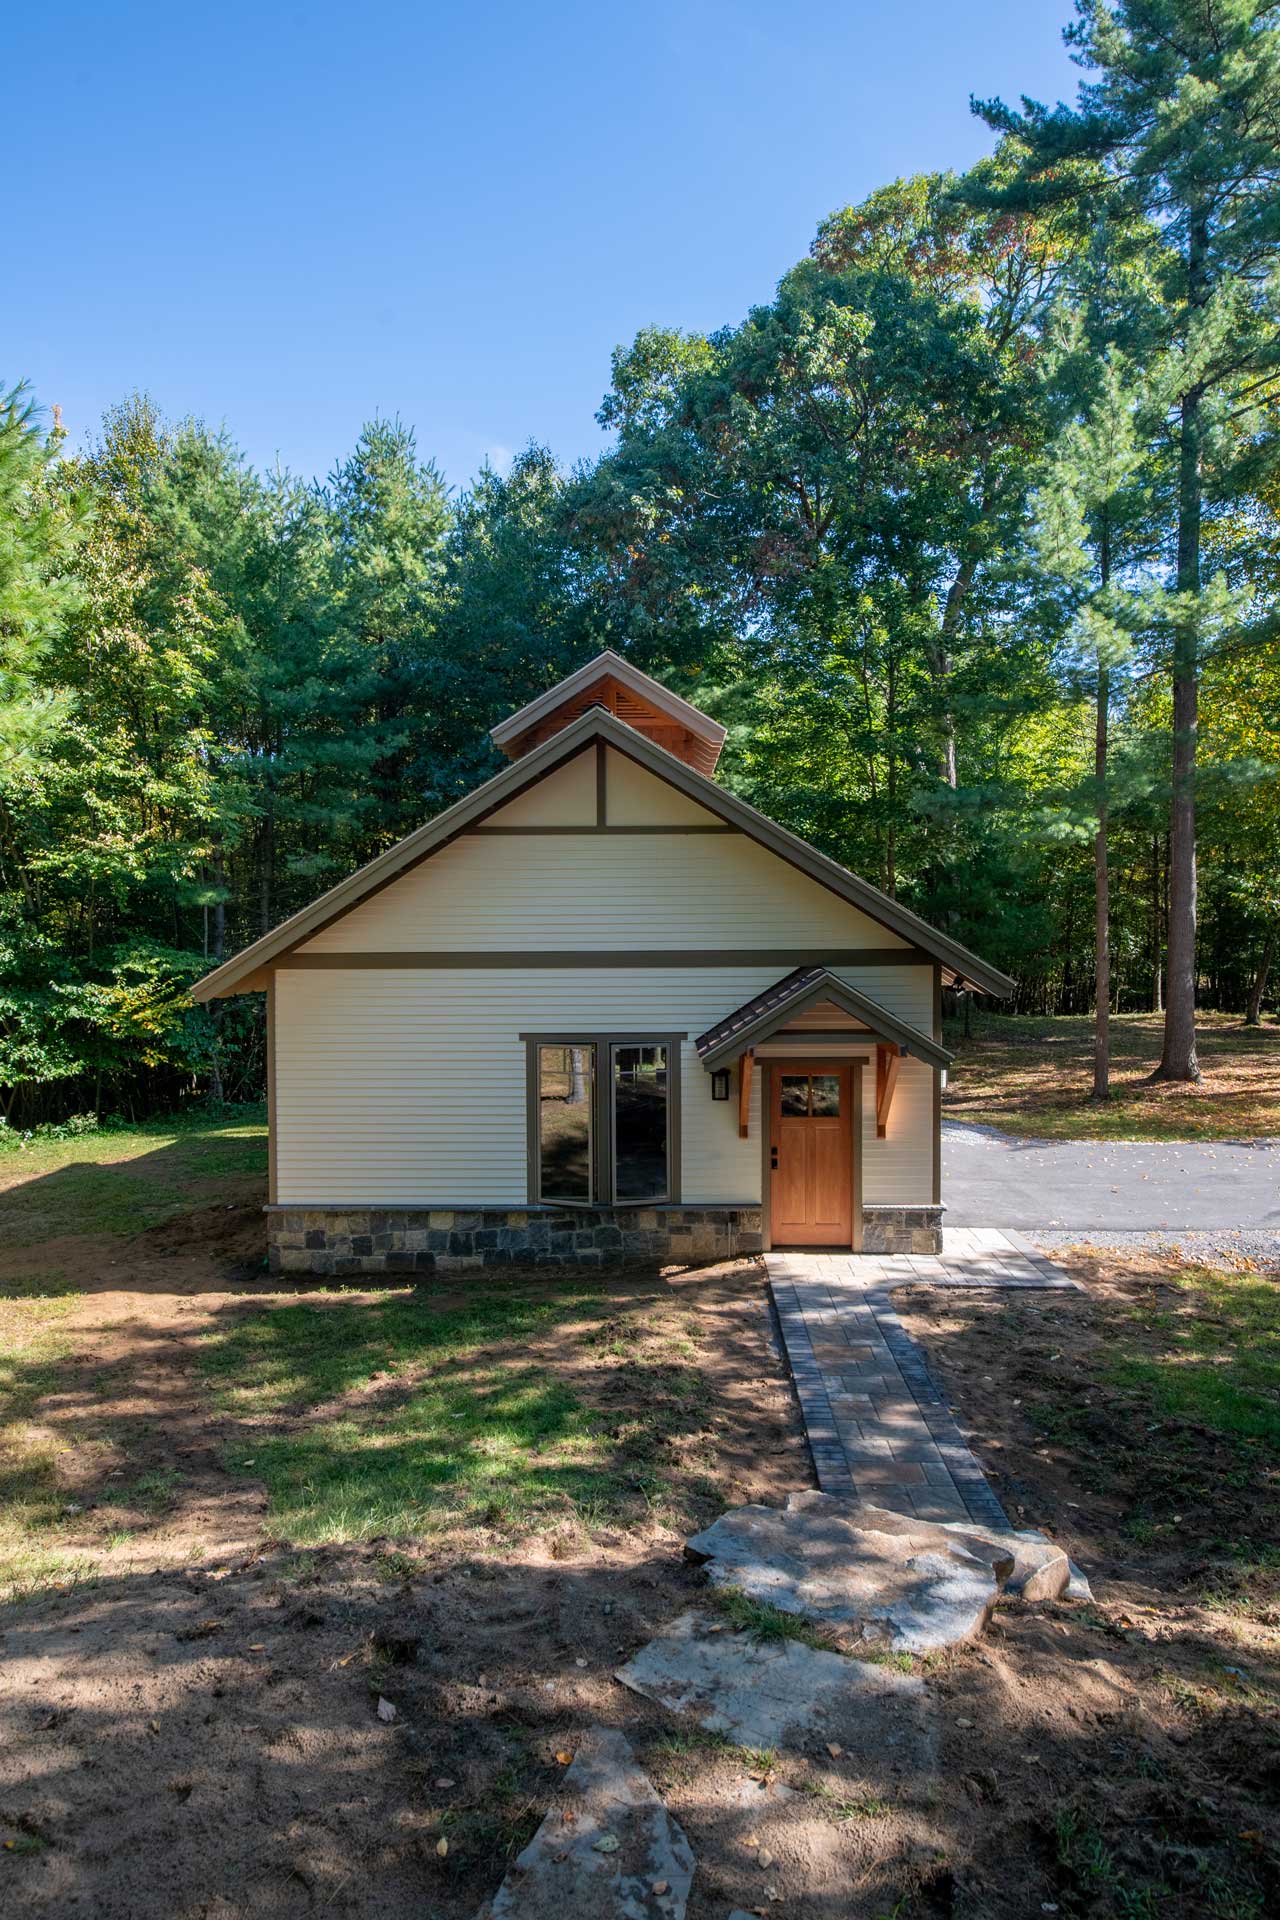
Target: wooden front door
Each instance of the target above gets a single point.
(811, 1154)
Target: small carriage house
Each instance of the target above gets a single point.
(600, 1006)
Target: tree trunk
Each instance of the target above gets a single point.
(266, 871)
(217, 1092)
(1158, 922)
(940, 663)
(219, 905)
(1178, 1060)
(1253, 1012)
(1101, 863)
(1102, 901)
(891, 783)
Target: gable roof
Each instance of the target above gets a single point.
(233, 975)
(765, 1012)
(609, 666)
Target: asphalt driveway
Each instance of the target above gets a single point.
(992, 1180)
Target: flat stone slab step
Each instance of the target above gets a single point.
(781, 1693)
(915, 1586)
(608, 1851)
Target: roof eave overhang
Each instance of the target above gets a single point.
(829, 986)
(596, 724)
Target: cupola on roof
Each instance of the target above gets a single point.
(613, 683)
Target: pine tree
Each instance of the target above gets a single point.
(1185, 116)
(1093, 526)
(40, 527)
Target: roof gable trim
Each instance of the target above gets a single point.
(607, 664)
(760, 1019)
(593, 725)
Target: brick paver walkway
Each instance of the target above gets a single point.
(877, 1423)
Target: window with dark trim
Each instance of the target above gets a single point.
(603, 1118)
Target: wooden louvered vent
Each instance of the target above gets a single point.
(629, 706)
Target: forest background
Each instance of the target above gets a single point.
(969, 535)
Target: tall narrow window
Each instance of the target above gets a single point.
(641, 1130)
(565, 1131)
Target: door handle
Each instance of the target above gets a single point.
(773, 1158)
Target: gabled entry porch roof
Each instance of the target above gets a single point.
(763, 1015)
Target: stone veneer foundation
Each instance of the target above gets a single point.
(442, 1239)
(344, 1240)
(902, 1229)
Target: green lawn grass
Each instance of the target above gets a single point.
(395, 1416)
(1220, 1363)
(122, 1180)
(32, 1349)
(1033, 1077)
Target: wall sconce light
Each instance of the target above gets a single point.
(720, 1084)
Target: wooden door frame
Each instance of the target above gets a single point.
(766, 1069)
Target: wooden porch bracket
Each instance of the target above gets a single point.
(744, 1091)
(888, 1062)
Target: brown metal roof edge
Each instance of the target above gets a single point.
(534, 766)
(759, 1018)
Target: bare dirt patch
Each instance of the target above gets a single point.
(196, 1731)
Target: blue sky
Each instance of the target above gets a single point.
(286, 218)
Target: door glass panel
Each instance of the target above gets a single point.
(564, 1122)
(826, 1094)
(640, 1107)
(795, 1093)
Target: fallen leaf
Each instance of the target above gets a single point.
(764, 1858)
(962, 1722)
(259, 1646)
(607, 1843)
(834, 1749)
(752, 1840)
(385, 1709)
(442, 1847)
(564, 1757)
(347, 1658)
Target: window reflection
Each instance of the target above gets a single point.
(565, 1076)
(826, 1095)
(795, 1093)
(640, 1122)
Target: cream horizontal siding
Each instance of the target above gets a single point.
(906, 991)
(898, 1170)
(567, 892)
(636, 798)
(408, 1087)
(566, 798)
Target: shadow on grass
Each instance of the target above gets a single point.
(117, 1182)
